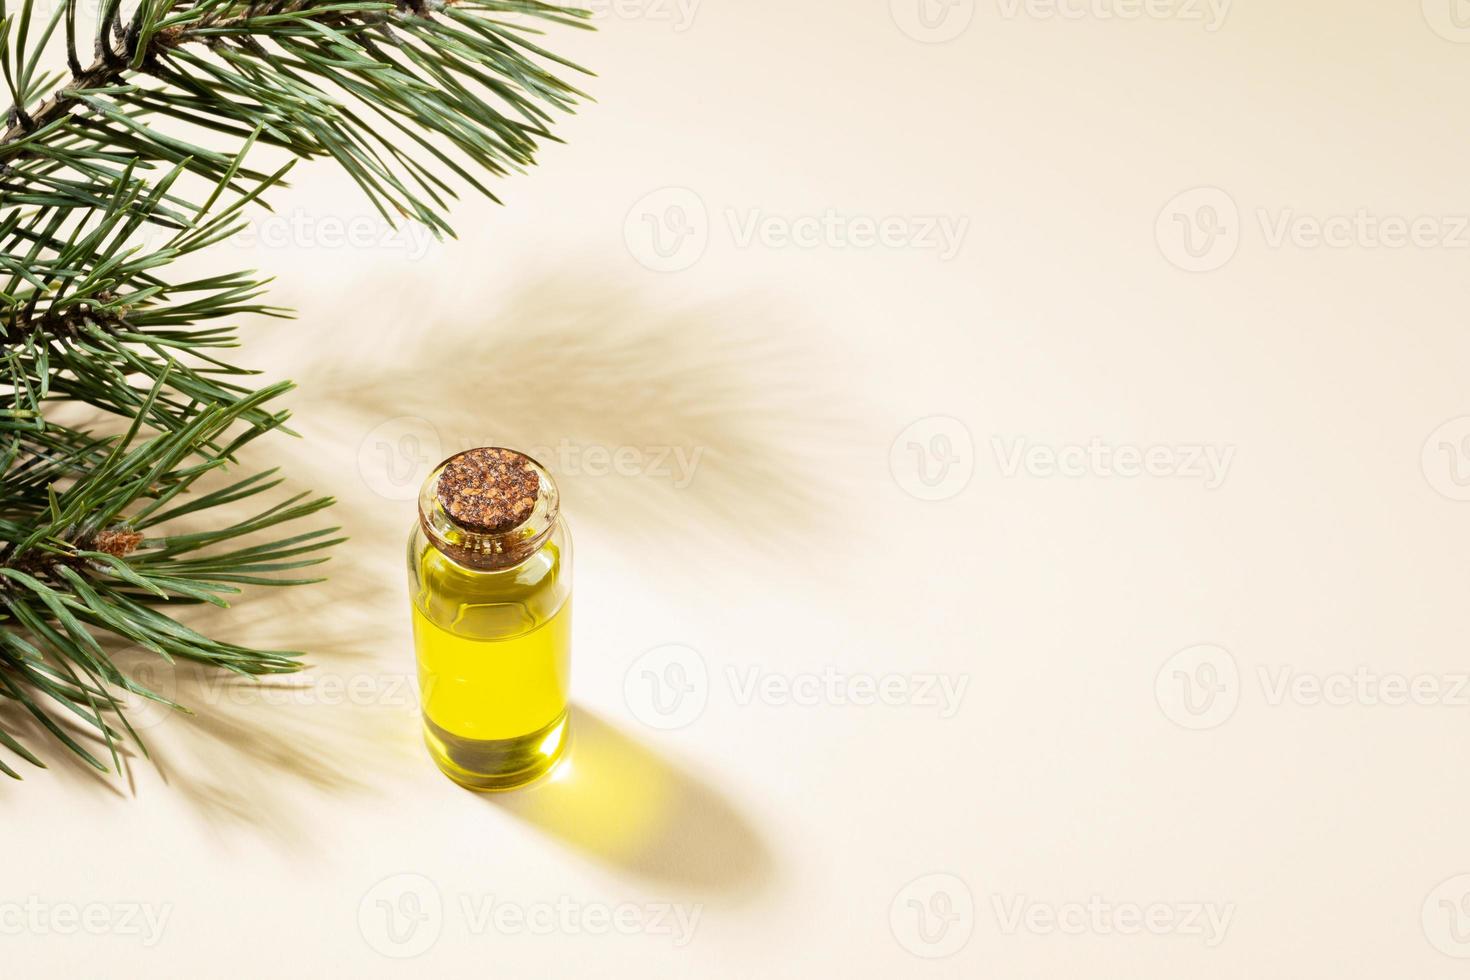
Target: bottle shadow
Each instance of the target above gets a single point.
(618, 802)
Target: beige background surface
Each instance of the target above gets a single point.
(1079, 594)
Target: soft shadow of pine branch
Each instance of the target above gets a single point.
(564, 362)
(719, 408)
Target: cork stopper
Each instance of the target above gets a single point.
(489, 508)
(489, 491)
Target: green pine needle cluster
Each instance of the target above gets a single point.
(106, 183)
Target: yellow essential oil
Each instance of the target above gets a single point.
(490, 577)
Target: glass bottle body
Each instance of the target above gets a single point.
(493, 647)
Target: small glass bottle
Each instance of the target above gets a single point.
(490, 576)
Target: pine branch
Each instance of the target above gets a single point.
(94, 172)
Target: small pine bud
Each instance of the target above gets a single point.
(117, 541)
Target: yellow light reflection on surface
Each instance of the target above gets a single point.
(562, 770)
(621, 803)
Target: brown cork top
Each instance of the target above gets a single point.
(489, 491)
